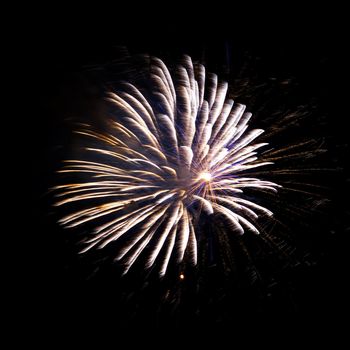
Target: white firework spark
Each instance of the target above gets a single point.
(177, 151)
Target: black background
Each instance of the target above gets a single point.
(307, 47)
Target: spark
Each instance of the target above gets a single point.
(182, 143)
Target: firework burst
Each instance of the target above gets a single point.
(180, 150)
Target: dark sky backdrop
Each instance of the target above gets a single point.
(307, 49)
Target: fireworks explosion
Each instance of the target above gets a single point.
(176, 152)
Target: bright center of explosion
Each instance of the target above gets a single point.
(205, 176)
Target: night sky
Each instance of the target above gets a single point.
(293, 63)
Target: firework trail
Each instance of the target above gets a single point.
(178, 151)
